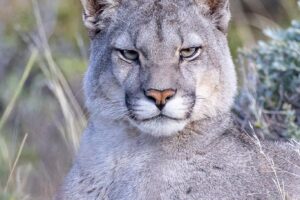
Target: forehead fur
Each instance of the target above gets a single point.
(99, 14)
(136, 16)
(163, 9)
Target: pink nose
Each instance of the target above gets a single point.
(160, 96)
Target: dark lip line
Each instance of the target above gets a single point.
(161, 116)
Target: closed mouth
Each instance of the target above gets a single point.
(161, 117)
(157, 117)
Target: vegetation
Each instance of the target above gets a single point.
(270, 99)
(43, 56)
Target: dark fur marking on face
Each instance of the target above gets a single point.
(217, 167)
(81, 181)
(189, 190)
(179, 33)
(99, 191)
(192, 101)
(144, 53)
(159, 19)
(91, 191)
(159, 30)
(134, 37)
(130, 106)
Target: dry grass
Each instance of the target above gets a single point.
(279, 183)
(73, 114)
(74, 119)
(270, 162)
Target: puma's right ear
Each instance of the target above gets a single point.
(220, 13)
(96, 13)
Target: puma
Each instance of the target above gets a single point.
(159, 89)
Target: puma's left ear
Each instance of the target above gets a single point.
(96, 13)
(220, 12)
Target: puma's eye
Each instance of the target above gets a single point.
(129, 55)
(190, 53)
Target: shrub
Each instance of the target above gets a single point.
(270, 93)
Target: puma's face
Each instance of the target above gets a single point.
(161, 65)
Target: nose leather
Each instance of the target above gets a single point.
(160, 96)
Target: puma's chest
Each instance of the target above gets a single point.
(166, 173)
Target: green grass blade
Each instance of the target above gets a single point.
(10, 106)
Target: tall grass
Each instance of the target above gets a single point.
(71, 128)
(17, 93)
(75, 119)
(5, 155)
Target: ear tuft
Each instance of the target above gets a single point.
(220, 12)
(96, 13)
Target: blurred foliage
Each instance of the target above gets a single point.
(271, 95)
(45, 107)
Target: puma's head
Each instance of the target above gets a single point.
(160, 64)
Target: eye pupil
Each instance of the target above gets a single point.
(129, 55)
(190, 53)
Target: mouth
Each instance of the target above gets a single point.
(159, 125)
(151, 120)
(161, 117)
(178, 110)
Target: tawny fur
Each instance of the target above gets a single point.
(193, 151)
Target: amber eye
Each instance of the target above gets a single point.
(129, 55)
(190, 53)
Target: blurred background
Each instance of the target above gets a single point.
(43, 57)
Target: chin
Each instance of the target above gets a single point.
(160, 127)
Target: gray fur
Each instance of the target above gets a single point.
(126, 155)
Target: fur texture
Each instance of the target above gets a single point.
(189, 149)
